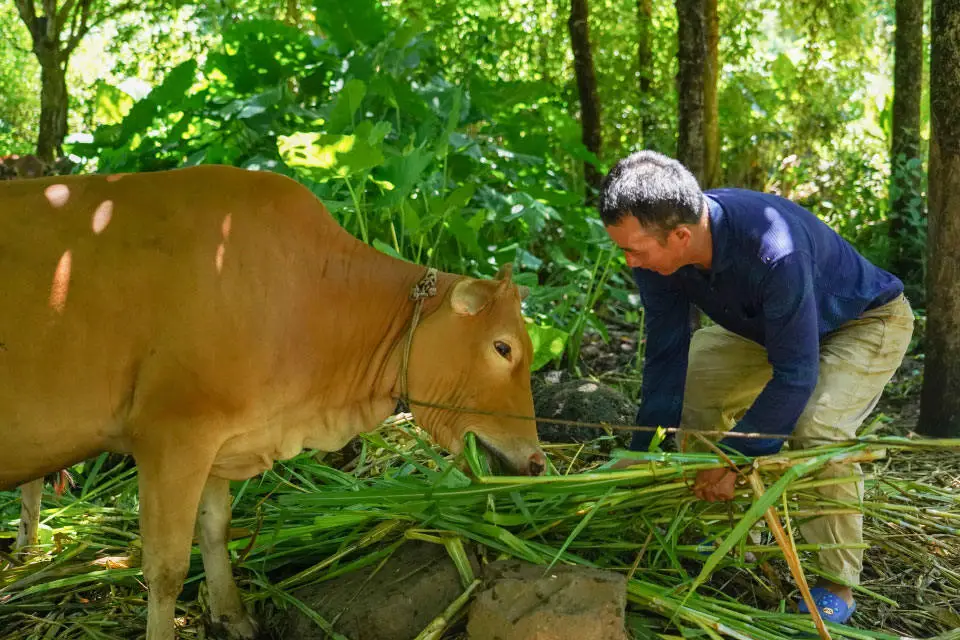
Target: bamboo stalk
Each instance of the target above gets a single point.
(793, 561)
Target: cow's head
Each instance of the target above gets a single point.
(474, 352)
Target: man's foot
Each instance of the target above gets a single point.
(841, 590)
(834, 601)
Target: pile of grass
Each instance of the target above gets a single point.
(306, 522)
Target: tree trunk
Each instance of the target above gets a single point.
(292, 14)
(905, 172)
(691, 54)
(645, 65)
(711, 99)
(55, 35)
(544, 42)
(587, 88)
(53, 108)
(940, 400)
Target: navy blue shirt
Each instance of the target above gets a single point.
(780, 277)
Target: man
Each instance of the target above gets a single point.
(807, 333)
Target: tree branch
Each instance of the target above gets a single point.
(77, 33)
(73, 30)
(64, 13)
(50, 13)
(28, 13)
(123, 8)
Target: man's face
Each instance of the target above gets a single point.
(646, 249)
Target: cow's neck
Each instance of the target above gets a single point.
(364, 328)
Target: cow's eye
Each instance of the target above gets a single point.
(502, 348)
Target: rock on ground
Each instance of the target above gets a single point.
(521, 602)
(397, 603)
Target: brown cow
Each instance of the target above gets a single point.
(212, 320)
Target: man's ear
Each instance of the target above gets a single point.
(682, 234)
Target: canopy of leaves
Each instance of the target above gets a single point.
(448, 131)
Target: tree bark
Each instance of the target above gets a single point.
(711, 98)
(292, 14)
(691, 54)
(543, 44)
(645, 66)
(940, 398)
(587, 88)
(905, 173)
(53, 109)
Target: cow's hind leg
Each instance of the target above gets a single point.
(27, 533)
(172, 472)
(226, 608)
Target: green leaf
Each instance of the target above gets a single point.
(263, 53)
(453, 119)
(465, 235)
(548, 344)
(376, 133)
(459, 197)
(352, 23)
(403, 172)
(327, 156)
(386, 248)
(176, 84)
(112, 104)
(172, 90)
(348, 100)
(401, 96)
(411, 220)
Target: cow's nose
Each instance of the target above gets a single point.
(537, 463)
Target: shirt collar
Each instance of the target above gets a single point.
(719, 236)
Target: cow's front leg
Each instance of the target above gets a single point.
(173, 471)
(27, 533)
(226, 608)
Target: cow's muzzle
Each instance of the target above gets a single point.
(535, 464)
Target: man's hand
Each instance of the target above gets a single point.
(715, 485)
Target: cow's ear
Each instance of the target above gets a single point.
(470, 296)
(505, 272)
(524, 291)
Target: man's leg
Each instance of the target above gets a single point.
(725, 374)
(856, 362)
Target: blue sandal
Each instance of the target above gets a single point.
(832, 607)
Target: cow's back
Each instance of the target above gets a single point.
(120, 286)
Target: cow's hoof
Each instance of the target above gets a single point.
(241, 627)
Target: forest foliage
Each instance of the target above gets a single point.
(447, 132)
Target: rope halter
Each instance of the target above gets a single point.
(425, 288)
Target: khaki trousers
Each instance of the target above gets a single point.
(726, 372)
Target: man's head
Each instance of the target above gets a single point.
(651, 205)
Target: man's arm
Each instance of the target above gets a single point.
(793, 350)
(667, 330)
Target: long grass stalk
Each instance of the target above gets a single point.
(314, 523)
(786, 544)
(438, 625)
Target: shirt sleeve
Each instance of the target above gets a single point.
(667, 329)
(793, 349)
